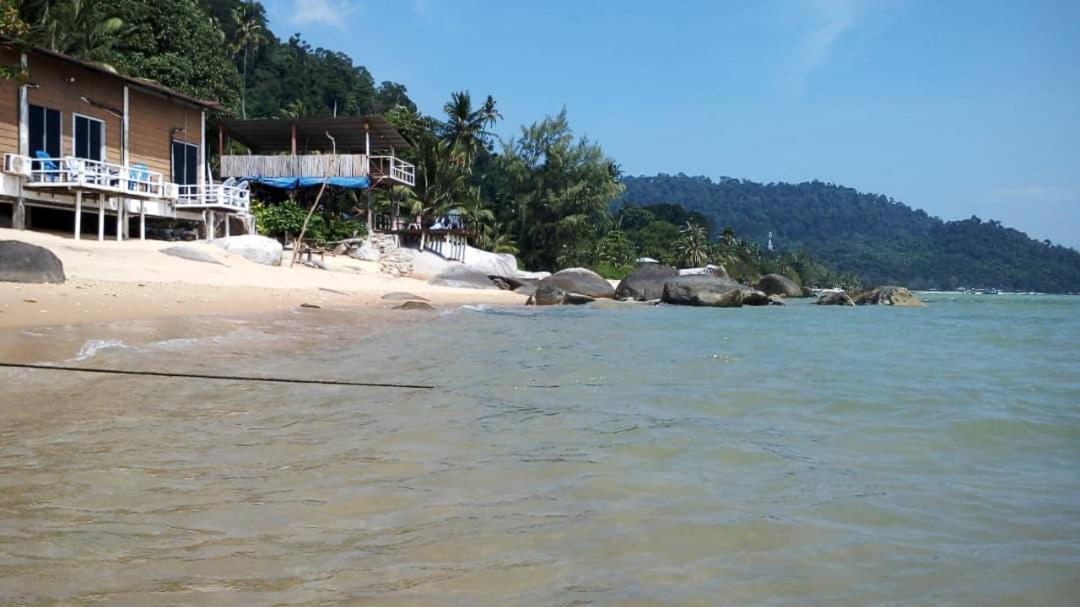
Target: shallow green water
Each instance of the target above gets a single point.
(772, 456)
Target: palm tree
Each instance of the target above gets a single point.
(692, 247)
(80, 28)
(249, 20)
(466, 128)
(293, 110)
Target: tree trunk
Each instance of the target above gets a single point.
(243, 88)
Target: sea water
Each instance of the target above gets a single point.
(640, 455)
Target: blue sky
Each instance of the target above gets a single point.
(959, 108)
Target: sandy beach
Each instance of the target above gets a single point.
(134, 280)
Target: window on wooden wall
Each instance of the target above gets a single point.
(89, 138)
(185, 163)
(44, 132)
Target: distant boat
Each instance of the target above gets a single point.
(990, 291)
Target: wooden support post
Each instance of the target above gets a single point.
(210, 226)
(142, 220)
(78, 214)
(119, 219)
(293, 139)
(18, 214)
(226, 225)
(101, 218)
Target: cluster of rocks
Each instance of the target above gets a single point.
(888, 296)
(878, 296)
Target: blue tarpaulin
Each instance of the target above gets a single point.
(292, 183)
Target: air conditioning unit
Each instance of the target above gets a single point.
(171, 191)
(17, 165)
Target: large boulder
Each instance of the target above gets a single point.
(24, 262)
(549, 295)
(365, 251)
(191, 254)
(259, 249)
(776, 284)
(645, 282)
(888, 296)
(582, 281)
(462, 277)
(835, 298)
(753, 297)
(703, 291)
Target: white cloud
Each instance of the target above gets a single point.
(830, 21)
(331, 13)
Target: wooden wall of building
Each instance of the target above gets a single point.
(9, 105)
(62, 86)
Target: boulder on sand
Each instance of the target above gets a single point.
(549, 295)
(415, 305)
(191, 254)
(24, 262)
(775, 284)
(462, 277)
(582, 281)
(888, 296)
(645, 282)
(259, 249)
(703, 291)
(838, 298)
(402, 296)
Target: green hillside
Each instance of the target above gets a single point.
(880, 239)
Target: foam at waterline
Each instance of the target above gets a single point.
(93, 346)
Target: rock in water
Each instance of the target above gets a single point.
(775, 284)
(753, 297)
(645, 282)
(888, 296)
(462, 277)
(582, 281)
(191, 254)
(414, 305)
(24, 262)
(703, 291)
(259, 249)
(548, 295)
(807, 292)
(776, 300)
(835, 299)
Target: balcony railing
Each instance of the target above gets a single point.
(248, 166)
(394, 168)
(98, 176)
(215, 196)
(243, 166)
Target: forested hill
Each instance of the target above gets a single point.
(874, 236)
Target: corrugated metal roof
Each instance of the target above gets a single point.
(273, 136)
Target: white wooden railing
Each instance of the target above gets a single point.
(394, 168)
(221, 196)
(71, 172)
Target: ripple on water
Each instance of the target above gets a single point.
(852, 457)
